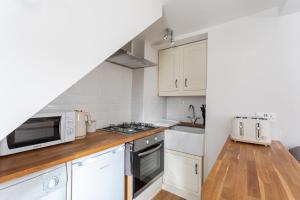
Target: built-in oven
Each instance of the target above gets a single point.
(145, 161)
(40, 131)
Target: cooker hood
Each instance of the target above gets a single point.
(131, 55)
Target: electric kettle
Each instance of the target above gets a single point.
(80, 125)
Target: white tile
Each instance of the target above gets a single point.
(177, 107)
(105, 92)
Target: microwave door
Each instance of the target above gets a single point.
(35, 131)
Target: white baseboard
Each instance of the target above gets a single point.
(151, 191)
(181, 193)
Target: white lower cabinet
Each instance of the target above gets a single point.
(182, 174)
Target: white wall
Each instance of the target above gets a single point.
(288, 83)
(46, 46)
(147, 105)
(289, 6)
(177, 107)
(253, 65)
(115, 94)
(243, 75)
(137, 113)
(154, 106)
(105, 93)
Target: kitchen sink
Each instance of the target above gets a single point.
(188, 129)
(185, 139)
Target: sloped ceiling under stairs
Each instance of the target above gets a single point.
(48, 45)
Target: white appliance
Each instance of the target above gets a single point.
(50, 184)
(42, 130)
(81, 127)
(144, 162)
(99, 176)
(251, 130)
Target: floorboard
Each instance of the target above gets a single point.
(164, 195)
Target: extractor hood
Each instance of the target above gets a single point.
(131, 55)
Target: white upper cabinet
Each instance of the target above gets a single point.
(194, 66)
(182, 70)
(169, 70)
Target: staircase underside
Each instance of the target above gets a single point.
(47, 46)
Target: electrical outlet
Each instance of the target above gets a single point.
(270, 116)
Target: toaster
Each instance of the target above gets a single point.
(251, 130)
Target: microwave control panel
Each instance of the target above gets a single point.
(70, 126)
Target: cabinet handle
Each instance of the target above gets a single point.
(185, 82)
(176, 83)
(258, 135)
(196, 168)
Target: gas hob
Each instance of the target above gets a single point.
(130, 128)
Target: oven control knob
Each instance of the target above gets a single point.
(147, 141)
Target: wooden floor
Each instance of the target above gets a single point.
(164, 195)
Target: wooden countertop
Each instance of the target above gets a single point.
(248, 171)
(21, 164)
(190, 124)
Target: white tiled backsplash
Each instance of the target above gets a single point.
(177, 107)
(137, 111)
(114, 94)
(105, 92)
(146, 104)
(154, 106)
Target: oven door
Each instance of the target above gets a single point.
(148, 164)
(35, 131)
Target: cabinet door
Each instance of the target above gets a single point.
(182, 171)
(194, 66)
(169, 63)
(99, 177)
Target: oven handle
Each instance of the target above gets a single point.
(150, 151)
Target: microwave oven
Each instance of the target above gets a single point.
(251, 130)
(41, 130)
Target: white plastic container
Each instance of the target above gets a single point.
(91, 126)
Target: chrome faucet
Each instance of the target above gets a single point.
(193, 118)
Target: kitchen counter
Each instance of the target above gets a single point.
(21, 164)
(190, 124)
(248, 171)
